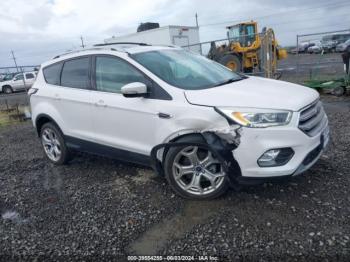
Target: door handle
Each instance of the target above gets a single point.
(100, 103)
(164, 115)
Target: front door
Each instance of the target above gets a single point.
(120, 122)
(18, 82)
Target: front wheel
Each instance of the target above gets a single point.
(7, 90)
(232, 61)
(195, 173)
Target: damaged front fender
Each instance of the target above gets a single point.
(221, 146)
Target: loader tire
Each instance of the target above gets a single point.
(233, 62)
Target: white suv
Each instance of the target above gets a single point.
(196, 122)
(19, 82)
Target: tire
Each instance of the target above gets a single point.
(202, 188)
(232, 61)
(53, 144)
(7, 90)
(248, 70)
(339, 91)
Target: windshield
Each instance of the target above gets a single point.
(185, 70)
(7, 77)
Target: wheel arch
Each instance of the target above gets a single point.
(216, 143)
(42, 119)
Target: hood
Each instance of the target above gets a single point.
(5, 82)
(255, 92)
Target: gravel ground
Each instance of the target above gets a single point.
(97, 207)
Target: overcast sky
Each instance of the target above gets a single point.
(39, 29)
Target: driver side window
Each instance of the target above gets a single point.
(113, 73)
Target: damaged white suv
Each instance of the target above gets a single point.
(194, 121)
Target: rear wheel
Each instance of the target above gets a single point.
(53, 144)
(339, 91)
(195, 173)
(232, 61)
(7, 89)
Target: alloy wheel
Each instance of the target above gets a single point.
(197, 171)
(51, 144)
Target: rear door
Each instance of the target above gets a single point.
(73, 98)
(29, 79)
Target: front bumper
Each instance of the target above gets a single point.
(256, 141)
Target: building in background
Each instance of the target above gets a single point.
(166, 35)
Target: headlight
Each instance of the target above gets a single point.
(257, 117)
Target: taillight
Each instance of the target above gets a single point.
(32, 91)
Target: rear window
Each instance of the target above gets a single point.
(52, 74)
(75, 73)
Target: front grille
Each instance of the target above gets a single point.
(313, 119)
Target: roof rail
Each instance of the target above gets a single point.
(87, 49)
(123, 43)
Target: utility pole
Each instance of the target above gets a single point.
(82, 41)
(200, 45)
(14, 59)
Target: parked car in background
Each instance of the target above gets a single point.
(329, 46)
(315, 48)
(193, 120)
(342, 47)
(19, 82)
(302, 48)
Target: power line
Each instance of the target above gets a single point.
(339, 4)
(294, 22)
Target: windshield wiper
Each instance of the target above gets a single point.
(231, 80)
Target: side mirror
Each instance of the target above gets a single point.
(136, 89)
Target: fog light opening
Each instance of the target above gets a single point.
(275, 157)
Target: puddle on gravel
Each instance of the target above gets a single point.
(14, 217)
(53, 180)
(155, 239)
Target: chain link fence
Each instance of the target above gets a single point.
(14, 107)
(317, 56)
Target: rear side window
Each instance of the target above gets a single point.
(52, 74)
(75, 73)
(29, 76)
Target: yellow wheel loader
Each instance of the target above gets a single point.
(248, 51)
